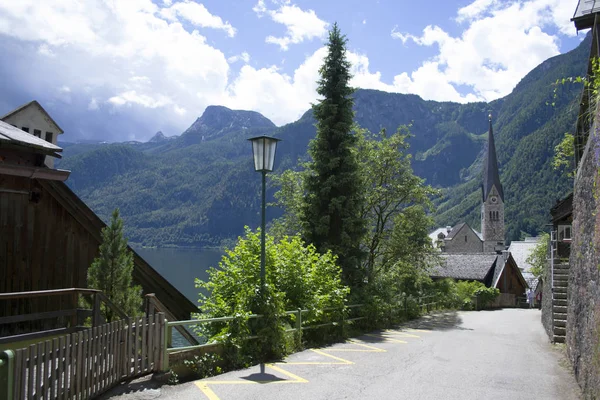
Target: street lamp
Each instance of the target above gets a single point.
(263, 149)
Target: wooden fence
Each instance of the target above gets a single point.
(85, 364)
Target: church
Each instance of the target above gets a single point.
(482, 256)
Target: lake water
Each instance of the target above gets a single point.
(181, 266)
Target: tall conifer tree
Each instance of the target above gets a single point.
(332, 212)
(111, 271)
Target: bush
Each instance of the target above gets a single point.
(467, 290)
(296, 277)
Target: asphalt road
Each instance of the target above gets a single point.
(502, 354)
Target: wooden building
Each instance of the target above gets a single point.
(49, 237)
(493, 270)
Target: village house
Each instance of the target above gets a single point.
(48, 235)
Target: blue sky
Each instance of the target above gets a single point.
(120, 70)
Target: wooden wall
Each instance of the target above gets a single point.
(48, 239)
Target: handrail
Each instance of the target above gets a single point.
(298, 313)
(153, 303)
(42, 293)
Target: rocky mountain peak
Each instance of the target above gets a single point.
(219, 120)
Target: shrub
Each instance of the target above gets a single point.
(296, 277)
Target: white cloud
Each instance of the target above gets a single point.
(245, 57)
(93, 104)
(474, 10)
(489, 56)
(198, 15)
(301, 25)
(364, 22)
(149, 61)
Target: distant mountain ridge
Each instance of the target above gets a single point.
(200, 188)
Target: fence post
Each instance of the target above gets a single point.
(166, 342)
(96, 311)
(343, 324)
(6, 374)
(299, 321)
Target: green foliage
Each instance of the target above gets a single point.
(296, 277)
(538, 258)
(331, 214)
(466, 291)
(205, 366)
(486, 296)
(111, 271)
(396, 228)
(563, 155)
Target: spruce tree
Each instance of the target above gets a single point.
(111, 271)
(331, 218)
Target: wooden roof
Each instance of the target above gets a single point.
(9, 135)
(150, 280)
(585, 13)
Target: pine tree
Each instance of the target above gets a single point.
(111, 271)
(331, 217)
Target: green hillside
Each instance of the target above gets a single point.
(199, 189)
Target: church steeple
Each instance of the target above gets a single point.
(491, 177)
(492, 207)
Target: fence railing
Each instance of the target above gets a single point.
(425, 304)
(61, 313)
(84, 364)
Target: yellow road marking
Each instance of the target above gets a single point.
(418, 330)
(370, 349)
(386, 338)
(400, 333)
(296, 378)
(207, 391)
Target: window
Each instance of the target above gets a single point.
(49, 137)
(25, 129)
(37, 133)
(465, 239)
(564, 233)
(441, 235)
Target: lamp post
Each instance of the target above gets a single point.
(263, 150)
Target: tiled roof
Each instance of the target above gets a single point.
(521, 250)
(455, 230)
(465, 266)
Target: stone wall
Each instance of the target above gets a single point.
(547, 302)
(583, 315)
(464, 241)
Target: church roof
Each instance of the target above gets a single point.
(491, 176)
(33, 103)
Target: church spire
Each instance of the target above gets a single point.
(491, 177)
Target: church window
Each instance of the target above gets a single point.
(465, 239)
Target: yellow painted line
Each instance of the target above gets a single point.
(287, 373)
(399, 333)
(419, 330)
(207, 391)
(386, 338)
(330, 356)
(369, 349)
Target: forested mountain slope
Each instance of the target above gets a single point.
(200, 188)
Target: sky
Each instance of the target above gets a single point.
(118, 70)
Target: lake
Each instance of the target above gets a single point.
(181, 266)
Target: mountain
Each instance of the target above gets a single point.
(200, 188)
(160, 137)
(217, 121)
